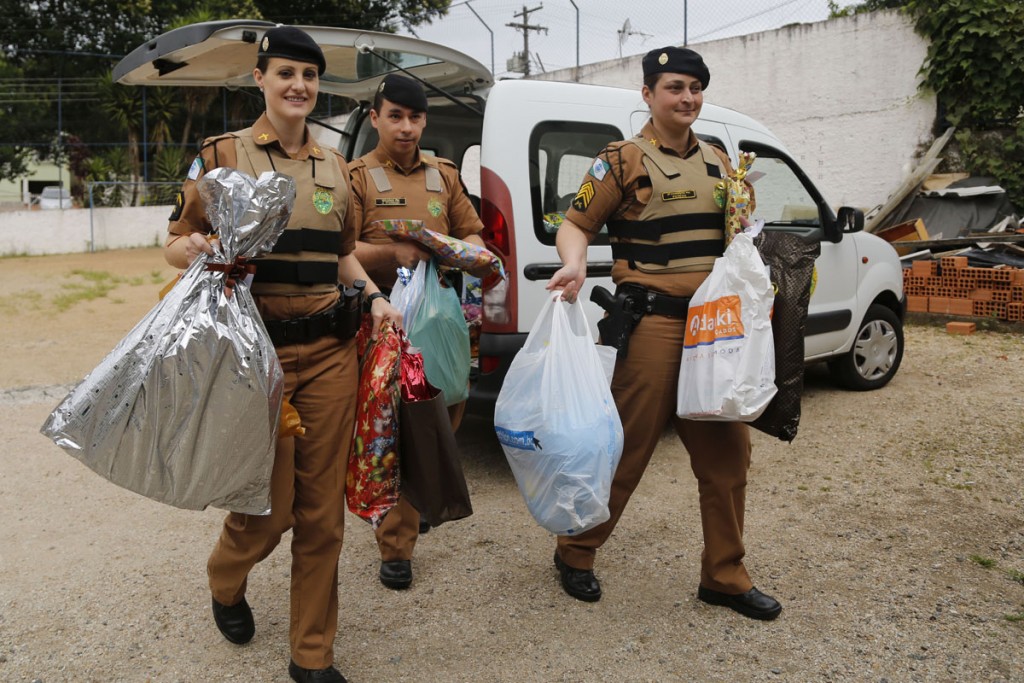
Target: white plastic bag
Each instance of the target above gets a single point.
(728, 364)
(557, 422)
(408, 297)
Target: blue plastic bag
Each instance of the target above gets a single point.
(439, 331)
(557, 422)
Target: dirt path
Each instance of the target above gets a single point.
(892, 530)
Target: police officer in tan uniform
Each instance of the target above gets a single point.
(398, 181)
(657, 194)
(296, 291)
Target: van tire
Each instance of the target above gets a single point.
(876, 354)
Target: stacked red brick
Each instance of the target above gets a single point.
(951, 287)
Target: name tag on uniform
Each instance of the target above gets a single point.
(680, 194)
(389, 201)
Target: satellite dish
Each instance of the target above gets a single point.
(624, 31)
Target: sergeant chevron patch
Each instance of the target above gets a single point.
(583, 197)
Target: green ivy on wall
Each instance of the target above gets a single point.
(975, 66)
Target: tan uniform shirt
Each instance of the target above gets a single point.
(447, 211)
(623, 192)
(216, 152)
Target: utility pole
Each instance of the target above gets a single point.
(526, 27)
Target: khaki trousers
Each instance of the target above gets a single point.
(398, 531)
(307, 496)
(644, 387)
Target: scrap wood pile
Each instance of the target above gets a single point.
(961, 241)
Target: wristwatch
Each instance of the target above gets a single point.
(370, 299)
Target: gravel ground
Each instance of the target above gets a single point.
(892, 530)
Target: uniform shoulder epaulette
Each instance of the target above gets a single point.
(217, 138)
(618, 144)
(446, 162)
(356, 163)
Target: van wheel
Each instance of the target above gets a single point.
(876, 354)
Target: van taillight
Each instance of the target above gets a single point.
(495, 228)
(499, 298)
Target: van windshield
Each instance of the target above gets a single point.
(785, 197)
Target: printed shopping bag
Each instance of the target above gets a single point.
(728, 363)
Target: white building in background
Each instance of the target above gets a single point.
(842, 94)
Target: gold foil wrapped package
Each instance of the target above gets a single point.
(185, 409)
(735, 193)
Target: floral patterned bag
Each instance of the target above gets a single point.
(371, 485)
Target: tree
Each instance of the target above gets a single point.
(374, 15)
(15, 99)
(834, 10)
(976, 69)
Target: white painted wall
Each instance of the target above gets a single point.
(70, 231)
(841, 94)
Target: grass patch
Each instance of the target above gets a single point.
(156, 277)
(1016, 576)
(985, 562)
(98, 283)
(801, 487)
(1015, 618)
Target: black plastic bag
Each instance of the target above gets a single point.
(790, 261)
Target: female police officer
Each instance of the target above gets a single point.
(665, 221)
(296, 290)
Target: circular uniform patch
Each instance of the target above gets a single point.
(719, 195)
(434, 207)
(323, 201)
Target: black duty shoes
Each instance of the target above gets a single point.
(396, 574)
(579, 583)
(753, 603)
(235, 621)
(328, 675)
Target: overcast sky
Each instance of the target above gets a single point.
(651, 24)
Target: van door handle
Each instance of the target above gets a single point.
(544, 271)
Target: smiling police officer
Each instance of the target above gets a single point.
(657, 194)
(296, 291)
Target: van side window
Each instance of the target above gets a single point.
(786, 198)
(561, 153)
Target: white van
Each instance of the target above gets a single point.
(535, 141)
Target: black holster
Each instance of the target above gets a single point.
(623, 314)
(342, 320)
(349, 311)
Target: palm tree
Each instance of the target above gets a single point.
(124, 107)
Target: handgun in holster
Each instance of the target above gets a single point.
(348, 314)
(623, 314)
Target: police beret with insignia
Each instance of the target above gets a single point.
(404, 91)
(289, 42)
(677, 60)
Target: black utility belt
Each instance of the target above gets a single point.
(651, 302)
(342, 320)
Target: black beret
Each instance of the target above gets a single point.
(404, 91)
(677, 60)
(292, 43)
